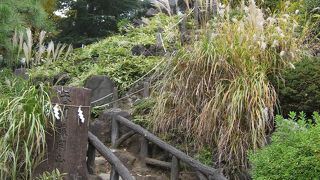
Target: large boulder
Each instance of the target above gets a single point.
(101, 87)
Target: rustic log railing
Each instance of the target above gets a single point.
(118, 169)
(204, 172)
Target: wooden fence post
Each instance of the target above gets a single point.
(143, 141)
(114, 123)
(196, 13)
(183, 30)
(215, 7)
(174, 168)
(91, 155)
(115, 97)
(114, 175)
(146, 89)
(114, 132)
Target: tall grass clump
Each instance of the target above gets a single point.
(29, 51)
(217, 91)
(24, 111)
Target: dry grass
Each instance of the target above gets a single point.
(162, 5)
(34, 55)
(217, 90)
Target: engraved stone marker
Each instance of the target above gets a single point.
(67, 146)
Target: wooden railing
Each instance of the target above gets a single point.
(204, 172)
(118, 169)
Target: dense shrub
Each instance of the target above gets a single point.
(293, 153)
(300, 90)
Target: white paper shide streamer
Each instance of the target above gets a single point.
(56, 110)
(80, 114)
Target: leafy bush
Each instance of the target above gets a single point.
(293, 153)
(300, 88)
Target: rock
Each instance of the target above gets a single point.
(102, 127)
(93, 177)
(145, 21)
(133, 144)
(188, 175)
(137, 22)
(147, 50)
(151, 177)
(104, 176)
(151, 12)
(102, 165)
(22, 72)
(126, 157)
(101, 86)
(100, 161)
(138, 50)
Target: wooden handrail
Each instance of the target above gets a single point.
(211, 173)
(110, 157)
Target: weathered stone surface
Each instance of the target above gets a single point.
(102, 127)
(22, 72)
(67, 146)
(101, 86)
(151, 12)
(104, 176)
(147, 50)
(138, 50)
(145, 21)
(188, 175)
(140, 22)
(102, 165)
(126, 157)
(100, 161)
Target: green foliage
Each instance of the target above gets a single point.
(54, 175)
(112, 56)
(24, 111)
(92, 18)
(141, 111)
(300, 88)
(17, 15)
(293, 153)
(205, 156)
(311, 4)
